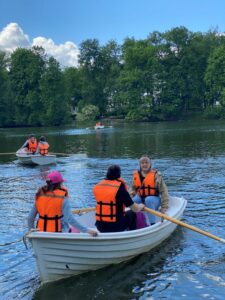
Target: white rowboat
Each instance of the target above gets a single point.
(99, 127)
(60, 255)
(36, 159)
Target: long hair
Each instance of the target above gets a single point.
(49, 187)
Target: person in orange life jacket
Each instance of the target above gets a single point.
(42, 147)
(30, 144)
(53, 208)
(99, 124)
(111, 197)
(148, 187)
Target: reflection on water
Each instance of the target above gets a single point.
(190, 155)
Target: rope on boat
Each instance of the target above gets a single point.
(24, 238)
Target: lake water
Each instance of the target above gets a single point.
(191, 157)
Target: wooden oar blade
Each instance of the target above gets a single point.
(178, 222)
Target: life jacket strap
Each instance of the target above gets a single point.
(46, 219)
(149, 189)
(101, 215)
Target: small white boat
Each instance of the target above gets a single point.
(61, 255)
(99, 127)
(35, 159)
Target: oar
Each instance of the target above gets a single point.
(82, 210)
(55, 153)
(9, 153)
(178, 222)
(164, 216)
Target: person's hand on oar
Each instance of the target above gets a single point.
(163, 210)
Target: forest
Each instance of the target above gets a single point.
(167, 76)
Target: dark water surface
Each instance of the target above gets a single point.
(191, 157)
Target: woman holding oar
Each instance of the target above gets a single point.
(148, 187)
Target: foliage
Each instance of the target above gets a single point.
(139, 114)
(55, 105)
(214, 76)
(26, 69)
(89, 113)
(6, 108)
(164, 77)
(73, 85)
(216, 112)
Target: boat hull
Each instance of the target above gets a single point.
(99, 127)
(62, 255)
(36, 159)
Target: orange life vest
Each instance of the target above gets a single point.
(49, 207)
(105, 196)
(124, 182)
(32, 146)
(147, 187)
(43, 148)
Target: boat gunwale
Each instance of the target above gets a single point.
(111, 235)
(36, 159)
(34, 155)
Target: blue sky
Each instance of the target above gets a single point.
(77, 20)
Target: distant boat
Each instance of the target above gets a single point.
(98, 126)
(60, 255)
(35, 159)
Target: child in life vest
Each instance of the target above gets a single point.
(42, 147)
(30, 146)
(112, 197)
(53, 208)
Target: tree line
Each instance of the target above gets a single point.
(166, 76)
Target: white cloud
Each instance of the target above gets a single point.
(12, 37)
(66, 54)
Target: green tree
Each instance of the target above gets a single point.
(100, 67)
(73, 85)
(214, 76)
(88, 113)
(56, 108)
(6, 108)
(89, 56)
(26, 68)
(174, 78)
(138, 80)
(111, 68)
